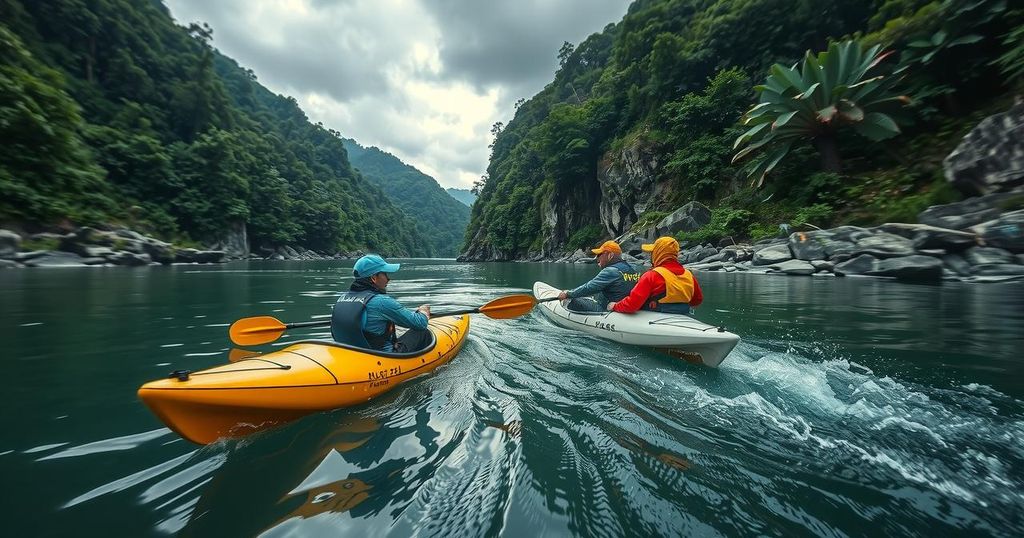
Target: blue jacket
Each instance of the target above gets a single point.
(613, 283)
(382, 309)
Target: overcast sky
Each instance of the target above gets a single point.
(422, 79)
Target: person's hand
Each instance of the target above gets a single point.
(425, 310)
(611, 306)
(563, 296)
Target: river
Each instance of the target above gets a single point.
(851, 407)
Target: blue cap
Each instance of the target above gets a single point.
(372, 264)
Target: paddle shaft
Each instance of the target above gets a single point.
(260, 330)
(327, 323)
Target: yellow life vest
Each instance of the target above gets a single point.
(678, 288)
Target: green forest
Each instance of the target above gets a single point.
(112, 114)
(440, 218)
(724, 93)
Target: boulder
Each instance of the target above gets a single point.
(884, 245)
(130, 234)
(966, 213)
(10, 242)
(1007, 231)
(822, 265)
(928, 237)
(159, 251)
(837, 248)
(22, 257)
(856, 266)
(630, 244)
(772, 255)
(688, 218)
(188, 255)
(123, 257)
(914, 268)
(987, 256)
(808, 245)
(794, 267)
(991, 157)
(697, 254)
(998, 269)
(56, 259)
(850, 234)
(9, 264)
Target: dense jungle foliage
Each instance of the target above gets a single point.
(111, 113)
(440, 218)
(674, 78)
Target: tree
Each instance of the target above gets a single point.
(840, 89)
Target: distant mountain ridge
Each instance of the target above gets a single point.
(465, 196)
(440, 219)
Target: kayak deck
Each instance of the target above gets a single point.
(677, 335)
(254, 394)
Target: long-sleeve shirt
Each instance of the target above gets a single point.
(383, 308)
(603, 279)
(652, 284)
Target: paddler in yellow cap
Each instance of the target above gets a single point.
(614, 282)
(668, 287)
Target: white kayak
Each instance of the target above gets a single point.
(678, 335)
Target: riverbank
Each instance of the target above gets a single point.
(977, 240)
(91, 247)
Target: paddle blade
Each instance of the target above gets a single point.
(256, 330)
(509, 307)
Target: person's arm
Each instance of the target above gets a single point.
(698, 296)
(400, 315)
(636, 298)
(596, 284)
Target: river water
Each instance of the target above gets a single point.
(851, 407)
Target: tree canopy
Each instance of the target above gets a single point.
(122, 116)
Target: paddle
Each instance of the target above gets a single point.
(265, 329)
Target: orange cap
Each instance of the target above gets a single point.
(662, 249)
(607, 246)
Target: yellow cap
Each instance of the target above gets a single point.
(662, 249)
(607, 246)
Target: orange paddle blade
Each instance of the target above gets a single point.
(256, 330)
(509, 307)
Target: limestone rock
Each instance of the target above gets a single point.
(688, 218)
(794, 267)
(987, 256)
(916, 268)
(773, 254)
(966, 213)
(856, 266)
(9, 243)
(56, 259)
(991, 157)
(884, 245)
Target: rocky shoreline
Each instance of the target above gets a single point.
(90, 247)
(969, 241)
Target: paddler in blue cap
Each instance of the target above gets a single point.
(366, 315)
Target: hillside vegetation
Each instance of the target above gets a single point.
(670, 84)
(113, 114)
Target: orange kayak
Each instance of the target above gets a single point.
(267, 390)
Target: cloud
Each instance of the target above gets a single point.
(422, 79)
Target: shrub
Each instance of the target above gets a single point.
(819, 215)
(725, 222)
(585, 236)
